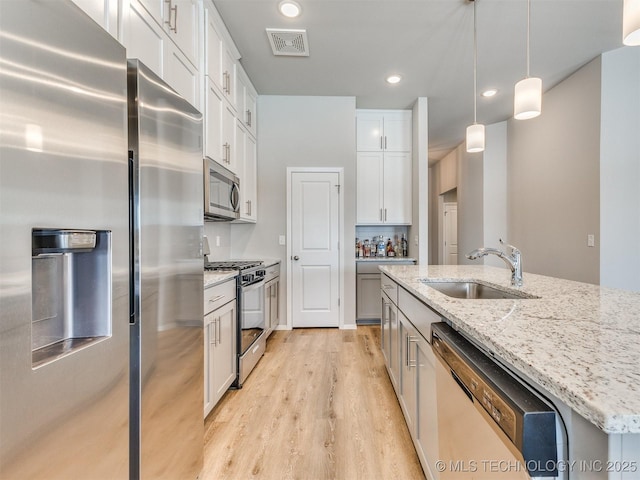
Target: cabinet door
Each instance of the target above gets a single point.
(250, 103)
(369, 188)
(229, 76)
(214, 47)
(144, 39)
(426, 434)
(408, 378)
(103, 12)
(397, 188)
(248, 180)
(369, 132)
(154, 7)
(385, 328)
(181, 75)
(228, 138)
(224, 362)
(183, 17)
(213, 123)
(397, 131)
(367, 295)
(209, 345)
(394, 344)
(275, 304)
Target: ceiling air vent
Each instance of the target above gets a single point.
(288, 42)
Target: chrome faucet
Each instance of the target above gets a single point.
(514, 260)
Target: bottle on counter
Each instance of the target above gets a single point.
(381, 247)
(358, 246)
(389, 251)
(405, 249)
(366, 248)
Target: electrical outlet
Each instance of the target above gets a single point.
(591, 240)
(282, 240)
(217, 240)
(415, 241)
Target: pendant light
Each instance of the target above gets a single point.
(527, 100)
(631, 23)
(475, 132)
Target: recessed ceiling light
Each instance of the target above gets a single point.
(289, 8)
(394, 78)
(489, 93)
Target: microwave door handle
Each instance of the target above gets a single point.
(235, 197)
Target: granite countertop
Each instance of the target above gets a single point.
(581, 342)
(218, 276)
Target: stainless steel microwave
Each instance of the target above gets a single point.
(221, 193)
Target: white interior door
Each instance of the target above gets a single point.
(315, 261)
(450, 234)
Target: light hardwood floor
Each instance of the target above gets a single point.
(318, 406)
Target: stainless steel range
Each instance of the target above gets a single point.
(251, 339)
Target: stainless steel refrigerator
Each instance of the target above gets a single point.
(100, 257)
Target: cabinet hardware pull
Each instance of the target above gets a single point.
(173, 9)
(380, 214)
(219, 332)
(385, 214)
(385, 142)
(249, 118)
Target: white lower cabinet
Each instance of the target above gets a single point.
(406, 328)
(219, 342)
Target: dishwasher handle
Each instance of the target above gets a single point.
(466, 391)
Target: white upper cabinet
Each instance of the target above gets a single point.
(246, 100)
(247, 171)
(180, 20)
(103, 12)
(383, 167)
(221, 56)
(383, 131)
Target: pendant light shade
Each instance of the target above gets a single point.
(527, 101)
(475, 138)
(527, 98)
(475, 132)
(631, 23)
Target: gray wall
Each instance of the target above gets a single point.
(494, 190)
(620, 170)
(300, 132)
(420, 183)
(470, 210)
(553, 180)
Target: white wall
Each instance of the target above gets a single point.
(296, 131)
(620, 170)
(494, 190)
(553, 180)
(223, 231)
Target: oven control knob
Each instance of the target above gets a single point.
(261, 273)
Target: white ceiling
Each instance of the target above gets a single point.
(355, 44)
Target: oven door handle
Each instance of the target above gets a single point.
(256, 284)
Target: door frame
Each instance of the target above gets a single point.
(443, 238)
(341, 240)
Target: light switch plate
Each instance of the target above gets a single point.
(591, 240)
(281, 240)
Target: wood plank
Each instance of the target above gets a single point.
(319, 405)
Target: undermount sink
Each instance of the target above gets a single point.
(474, 290)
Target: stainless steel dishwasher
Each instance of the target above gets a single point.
(490, 425)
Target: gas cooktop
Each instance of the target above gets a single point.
(232, 265)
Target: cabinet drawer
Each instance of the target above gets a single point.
(417, 312)
(218, 295)
(389, 287)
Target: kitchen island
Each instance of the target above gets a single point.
(577, 343)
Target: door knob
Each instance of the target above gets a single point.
(296, 257)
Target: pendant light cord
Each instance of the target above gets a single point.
(475, 62)
(528, 34)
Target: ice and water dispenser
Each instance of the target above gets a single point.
(71, 291)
